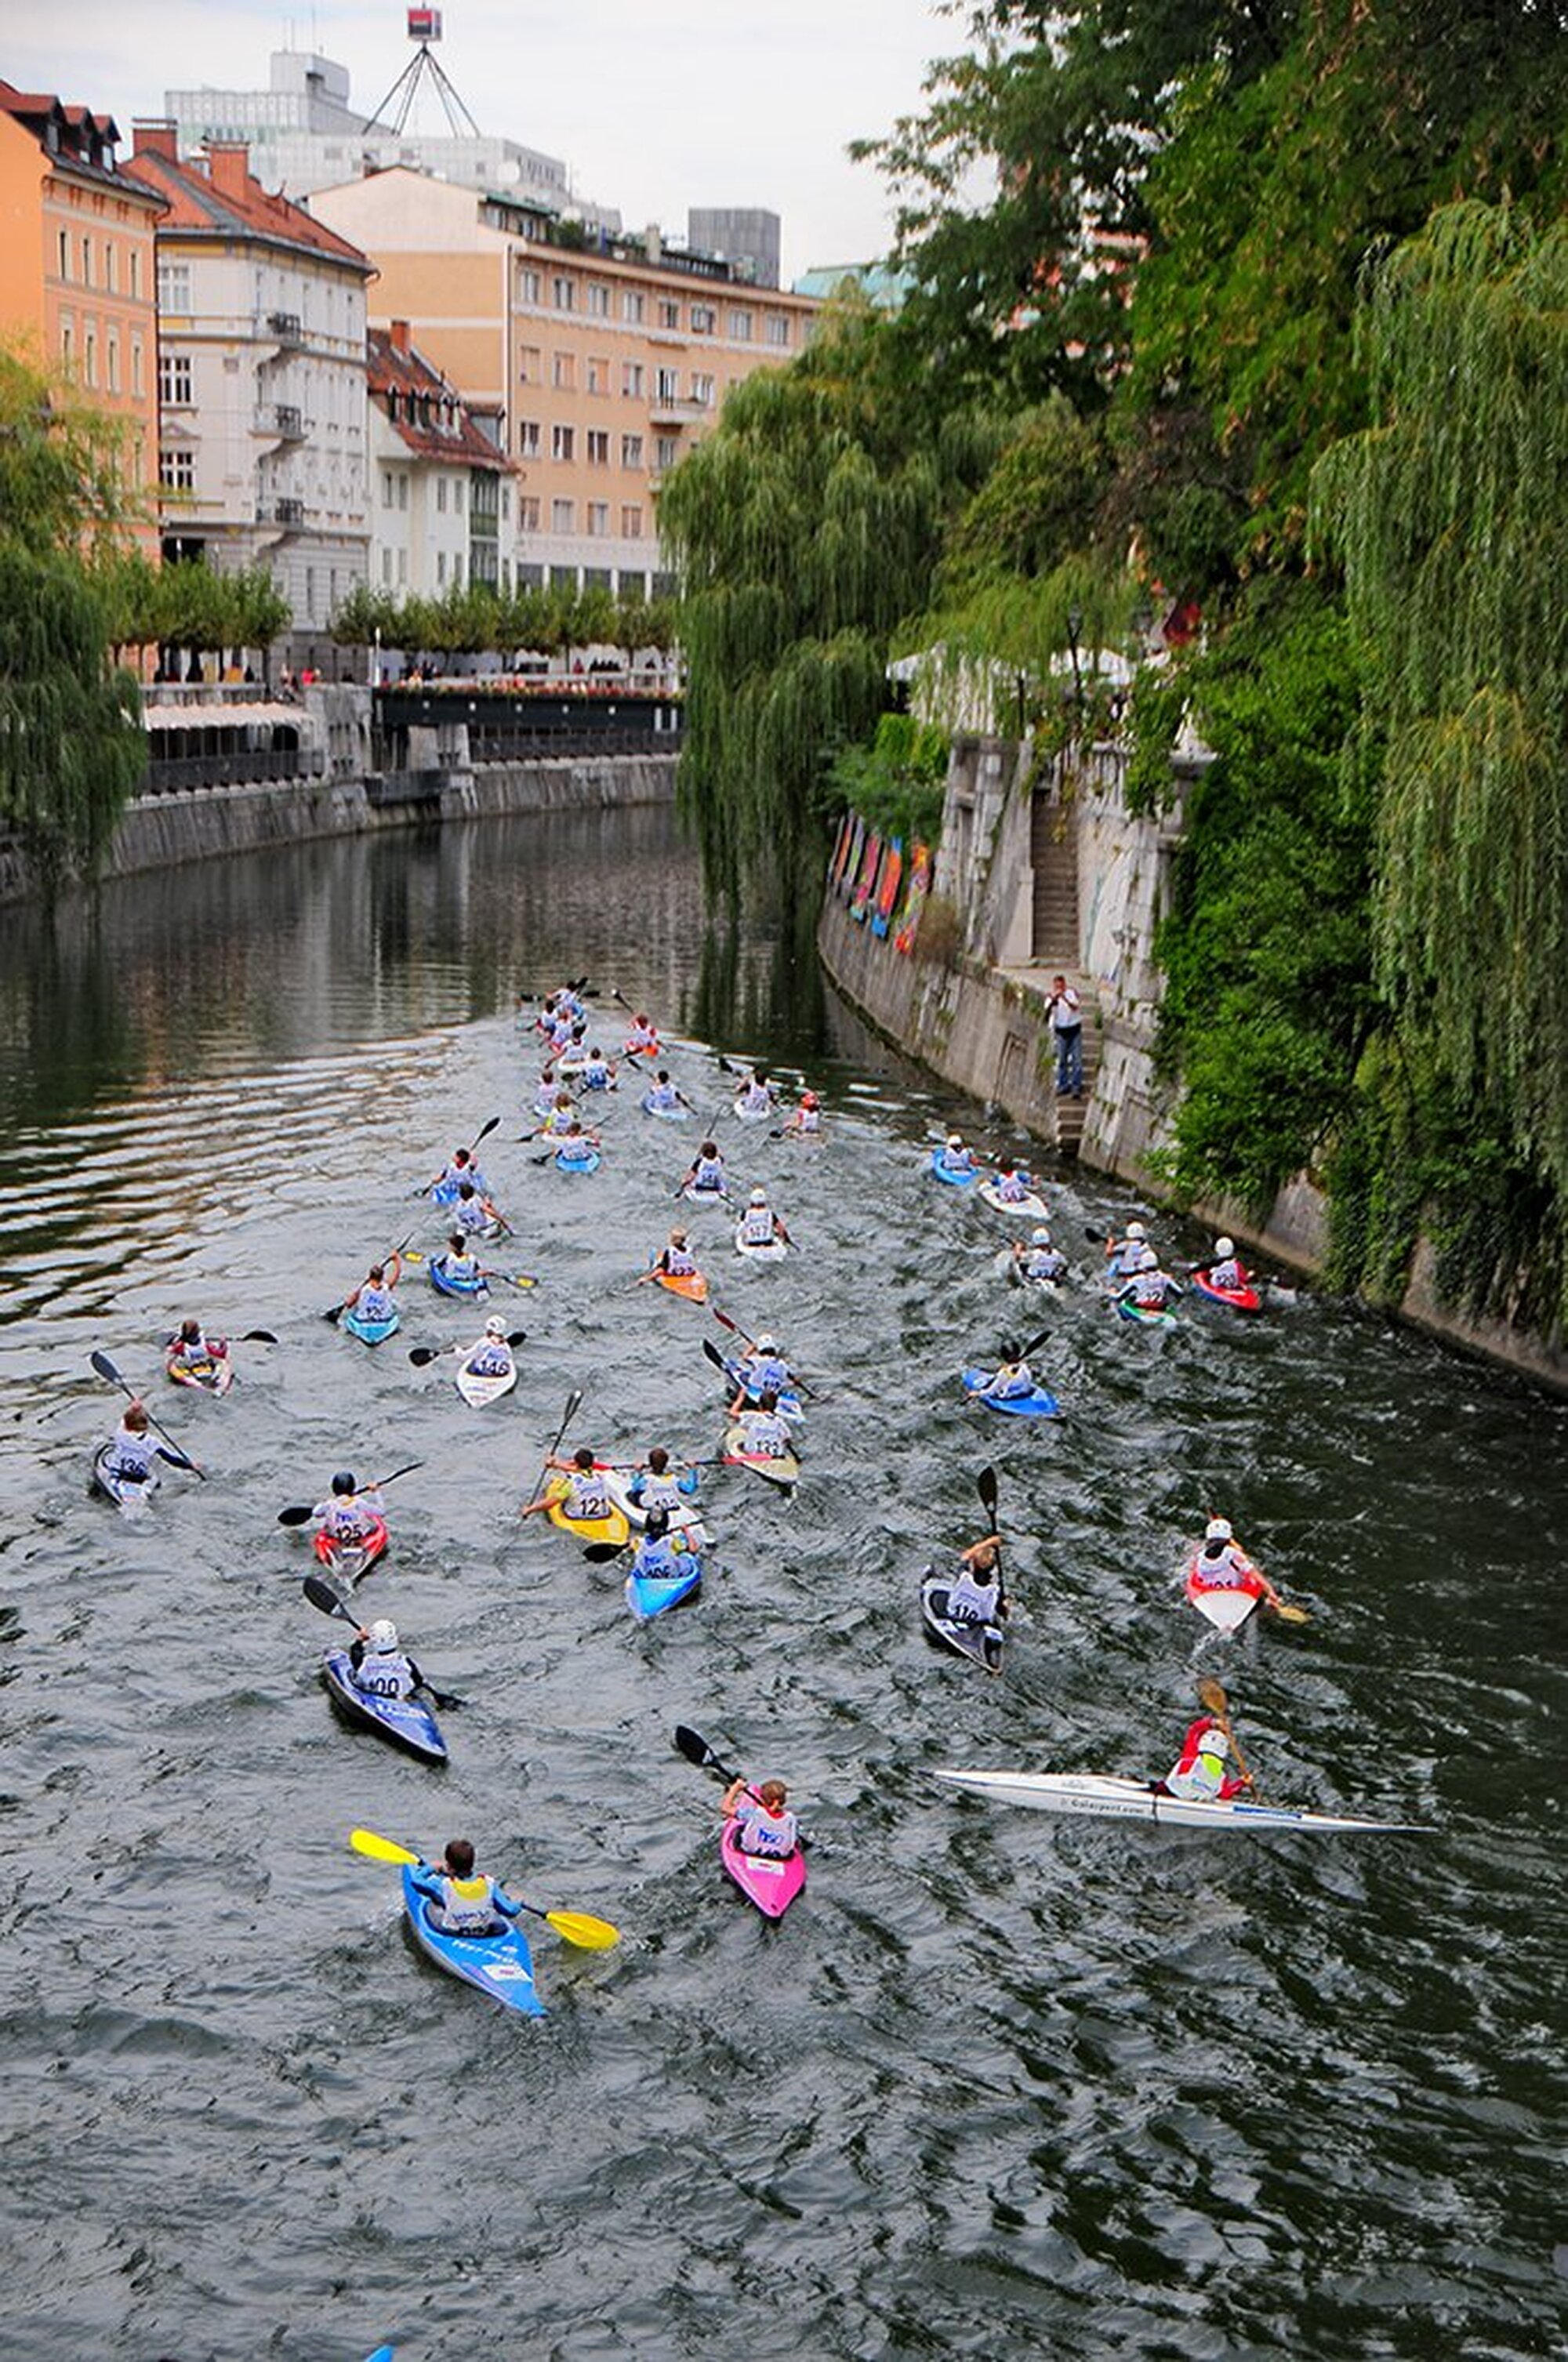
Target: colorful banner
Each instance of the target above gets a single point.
(887, 887)
(866, 882)
(915, 892)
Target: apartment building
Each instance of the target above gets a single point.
(441, 512)
(607, 358)
(262, 425)
(77, 266)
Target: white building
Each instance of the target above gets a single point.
(441, 512)
(263, 426)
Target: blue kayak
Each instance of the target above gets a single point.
(407, 1722)
(578, 1164)
(649, 1596)
(675, 1114)
(442, 1281)
(1035, 1405)
(501, 1966)
(370, 1332)
(957, 1175)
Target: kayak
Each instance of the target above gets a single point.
(689, 1284)
(677, 1114)
(959, 1176)
(501, 1966)
(613, 1529)
(640, 1050)
(442, 1281)
(1240, 1299)
(583, 1161)
(789, 1405)
(1108, 1796)
(481, 1387)
(1029, 1204)
(1037, 1404)
(767, 1250)
(571, 1064)
(370, 1332)
(981, 1643)
(1144, 1315)
(127, 1493)
(770, 1883)
(649, 1596)
(211, 1375)
(1226, 1605)
(407, 1722)
(744, 1114)
(705, 1196)
(779, 1467)
(350, 1561)
(625, 1492)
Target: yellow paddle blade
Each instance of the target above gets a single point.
(380, 1849)
(580, 1927)
(1288, 1615)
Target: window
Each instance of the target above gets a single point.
(458, 495)
(631, 380)
(666, 451)
(111, 267)
(668, 313)
(401, 566)
(440, 566)
(631, 450)
(563, 516)
(386, 487)
(112, 355)
(598, 376)
(563, 442)
(63, 262)
(563, 294)
(90, 356)
(136, 274)
(67, 345)
(528, 286)
(599, 516)
(633, 307)
(528, 512)
(598, 447)
(598, 300)
(135, 364)
(386, 566)
(667, 388)
(530, 365)
(563, 371)
(86, 262)
(779, 328)
(740, 327)
(528, 438)
(703, 321)
(174, 380)
(631, 522)
(174, 287)
(440, 495)
(403, 492)
(177, 470)
(703, 389)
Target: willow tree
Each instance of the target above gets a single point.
(1451, 515)
(804, 527)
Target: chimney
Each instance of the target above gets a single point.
(655, 242)
(397, 330)
(228, 167)
(154, 138)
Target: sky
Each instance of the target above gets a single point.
(653, 107)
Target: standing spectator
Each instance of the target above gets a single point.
(1068, 1025)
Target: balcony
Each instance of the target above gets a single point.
(279, 422)
(283, 512)
(285, 327)
(678, 413)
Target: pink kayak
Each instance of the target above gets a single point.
(771, 1885)
(1226, 1605)
(1240, 1299)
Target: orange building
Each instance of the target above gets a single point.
(77, 274)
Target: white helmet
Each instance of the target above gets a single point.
(1218, 1529)
(383, 1637)
(1136, 1230)
(954, 1140)
(760, 1197)
(767, 1344)
(1224, 1247)
(1041, 1239)
(1148, 1260)
(1214, 1742)
(495, 1326)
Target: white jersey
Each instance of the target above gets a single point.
(1226, 1570)
(347, 1514)
(492, 1359)
(658, 1492)
(972, 1602)
(708, 1173)
(757, 1227)
(762, 1832)
(765, 1433)
(373, 1303)
(133, 1454)
(680, 1263)
(388, 1675)
(587, 1495)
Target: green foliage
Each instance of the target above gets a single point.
(474, 619)
(896, 783)
(187, 606)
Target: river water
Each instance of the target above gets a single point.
(1001, 2084)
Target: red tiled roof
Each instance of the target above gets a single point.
(77, 131)
(400, 372)
(239, 207)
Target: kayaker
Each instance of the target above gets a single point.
(463, 1901)
(1040, 1259)
(559, 1118)
(706, 1173)
(459, 1264)
(675, 1259)
(492, 1356)
(380, 1667)
(653, 1486)
(766, 1435)
(192, 1352)
(765, 1824)
(1226, 1270)
(1011, 1380)
(956, 1157)
(461, 1168)
(1013, 1183)
(764, 1367)
(133, 1450)
(759, 1225)
(806, 1122)
(642, 1040)
(1221, 1565)
(663, 1098)
(546, 1092)
(472, 1214)
(1150, 1289)
(587, 1495)
(372, 1299)
(658, 1552)
(1198, 1774)
(347, 1514)
(598, 1075)
(759, 1096)
(974, 1596)
(1122, 1254)
(575, 1146)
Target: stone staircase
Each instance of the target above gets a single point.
(1055, 944)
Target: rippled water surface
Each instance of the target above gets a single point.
(1000, 2084)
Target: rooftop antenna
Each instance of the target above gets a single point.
(424, 27)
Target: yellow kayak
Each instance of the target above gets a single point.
(613, 1529)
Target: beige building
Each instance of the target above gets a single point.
(606, 363)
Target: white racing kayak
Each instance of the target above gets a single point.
(1107, 1798)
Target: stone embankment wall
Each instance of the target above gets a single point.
(976, 1014)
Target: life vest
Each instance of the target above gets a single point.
(467, 1905)
(461, 1268)
(387, 1676)
(765, 1374)
(1227, 1570)
(1228, 1274)
(765, 1434)
(586, 1496)
(544, 1100)
(762, 1832)
(757, 1226)
(969, 1601)
(491, 1360)
(373, 1304)
(1149, 1291)
(133, 1454)
(1010, 1382)
(1044, 1262)
(679, 1262)
(756, 1099)
(343, 1518)
(708, 1173)
(1012, 1189)
(664, 1094)
(660, 1559)
(808, 1120)
(658, 1492)
(596, 1076)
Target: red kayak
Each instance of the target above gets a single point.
(764, 1878)
(350, 1561)
(1227, 1605)
(1240, 1299)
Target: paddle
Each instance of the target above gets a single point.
(696, 1749)
(482, 1133)
(986, 1486)
(1212, 1696)
(332, 1603)
(423, 1355)
(335, 1311)
(573, 1405)
(736, 1330)
(251, 1337)
(509, 1278)
(177, 1458)
(297, 1514)
(579, 1927)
